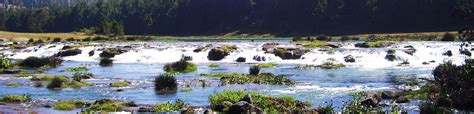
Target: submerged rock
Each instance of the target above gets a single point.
(241, 60)
(349, 59)
(72, 52)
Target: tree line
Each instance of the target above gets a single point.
(213, 17)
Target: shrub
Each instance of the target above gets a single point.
(35, 62)
(56, 83)
(454, 85)
(4, 63)
(214, 65)
(265, 102)
(119, 84)
(64, 105)
(181, 66)
(254, 70)
(168, 107)
(15, 98)
(88, 39)
(106, 62)
(166, 83)
(448, 37)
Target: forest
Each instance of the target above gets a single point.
(215, 17)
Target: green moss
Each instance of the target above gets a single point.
(78, 76)
(265, 102)
(15, 98)
(48, 78)
(264, 78)
(169, 107)
(23, 74)
(106, 105)
(119, 84)
(375, 44)
(313, 44)
(76, 84)
(326, 65)
(214, 65)
(12, 84)
(228, 49)
(186, 90)
(77, 69)
(181, 66)
(267, 65)
(64, 105)
(4, 63)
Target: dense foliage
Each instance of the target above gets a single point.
(181, 66)
(166, 83)
(204, 17)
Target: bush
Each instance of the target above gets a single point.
(181, 66)
(119, 84)
(56, 83)
(265, 102)
(4, 63)
(448, 37)
(64, 105)
(166, 83)
(15, 98)
(88, 39)
(35, 62)
(106, 62)
(254, 70)
(168, 107)
(454, 85)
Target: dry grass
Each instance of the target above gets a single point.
(16, 36)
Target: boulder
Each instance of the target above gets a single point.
(389, 95)
(241, 60)
(402, 100)
(410, 50)
(67, 47)
(259, 58)
(91, 53)
(71, 52)
(448, 53)
(391, 55)
(269, 46)
(217, 54)
(372, 100)
(333, 45)
(349, 59)
(240, 107)
(425, 63)
(187, 58)
(111, 52)
(223, 106)
(247, 98)
(289, 53)
(199, 49)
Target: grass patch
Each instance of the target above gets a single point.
(376, 44)
(23, 74)
(76, 69)
(45, 77)
(264, 78)
(214, 65)
(106, 105)
(15, 98)
(314, 44)
(265, 102)
(77, 84)
(169, 107)
(186, 90)
(181, 66)
(64, 105)
(267, 65)
(42, 36)
(12, 84)
(120, 84)
(326, 65)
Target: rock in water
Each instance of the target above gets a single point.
(69, 53)
(240, 107)
(217, 54)
(289, 53)
(247, 98)
(349, 59)
(448, 53)
(372, 100)
(241, 60)
(91, 53)
(391, 55)
(389, 95)
(259, 58)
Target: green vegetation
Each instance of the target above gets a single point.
(267, 65)
(356, 104)
(169, 107)
(12, 84)
(4, 63)
(186, 90)
(181, 66)
(48, 78)
(214, 65)
(326, 65)
(313, 44)
(42, 36)
(77, 69)
(166, 83)
(375, 44)
(265, 102)
(106, 105)
(56, 83)
(64, 105)
(76, 84)
(15, 98)
(264, 78)
(119, 84)
(254, 70)
(78, 76)
(23, 74)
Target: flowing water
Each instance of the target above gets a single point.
(370, 72)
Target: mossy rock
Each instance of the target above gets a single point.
(220, 53)
(120, 84)
(15, 98)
